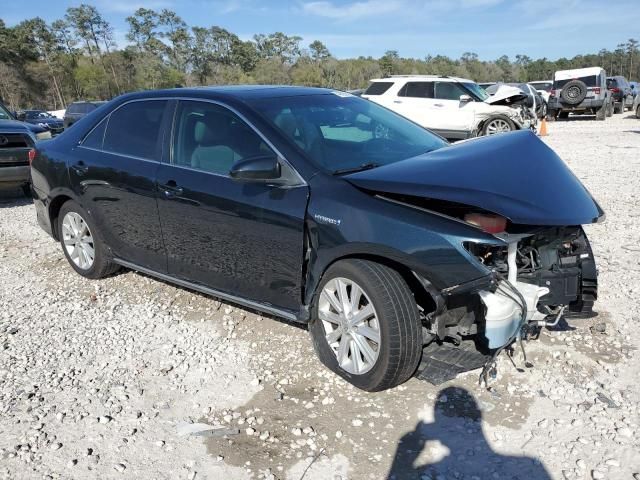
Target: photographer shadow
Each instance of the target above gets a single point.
(454, 446)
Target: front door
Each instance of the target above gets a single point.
(113, 172)
(454, 118)
(243, 239)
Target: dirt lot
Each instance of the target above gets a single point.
(99, 379)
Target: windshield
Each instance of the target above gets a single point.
(477, 90)
(340, 132)
(4, 113)
(545, 86)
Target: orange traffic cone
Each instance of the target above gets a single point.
(543, 128)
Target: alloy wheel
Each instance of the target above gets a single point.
(498, 125)
(351, 325)
(78, 240)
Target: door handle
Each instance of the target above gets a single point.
(80, 168)
(397, 101)
(171, 189)
(438, 105)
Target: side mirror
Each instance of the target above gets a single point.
(465, 99)
(260, 168)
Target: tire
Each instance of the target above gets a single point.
(601, 113)
(609, 109)
(544, 111)
(573, 92)
(498, 124)
(619, 107)
(26, 190)
(638, 111)
(552, 115)
(563, 115)
(393, 314)
(71, 219)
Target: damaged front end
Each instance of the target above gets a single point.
(540, 267)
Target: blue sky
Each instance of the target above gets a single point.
(415, 28)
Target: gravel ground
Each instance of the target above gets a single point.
(102, 379)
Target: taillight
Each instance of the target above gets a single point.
(552, 93)
(614, 90)
(32, 155)
(595, 90)
(487, 222)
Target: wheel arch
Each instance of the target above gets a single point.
(54, 210)
(480, 126)
(427, 297)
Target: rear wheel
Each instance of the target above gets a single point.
(81, 243)
(498, 124)
(601, 113)
(638, 111)
(563, 115)
(365, 325)
(609, 109)
(551, 115)
(26, 190)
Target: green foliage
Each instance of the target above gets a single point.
(49, 65)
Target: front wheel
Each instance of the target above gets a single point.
(81, 243)
(498, 124)
(619, 107)
(366, 326)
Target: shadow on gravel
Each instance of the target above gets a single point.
(457, 426)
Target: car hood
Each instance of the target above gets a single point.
(46, 121)
(506, 95)
(511, 174)
(15, 126)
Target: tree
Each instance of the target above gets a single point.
(319, 51)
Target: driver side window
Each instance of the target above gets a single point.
(449, 91)
(211, 138)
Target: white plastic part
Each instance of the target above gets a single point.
(504, 314)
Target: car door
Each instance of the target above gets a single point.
(415, 101)
(113, 173)
(241, 238)
(454, 118)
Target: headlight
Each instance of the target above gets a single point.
(43, 125)
(43, 135)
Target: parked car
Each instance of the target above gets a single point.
(635, 89)
(532, 100)
(324, 208)
(636, 106)
(621, 93)
(77, 110)
(543, 87)
(455, 108)
(42, 119)
(17, 141)
(486, 85)
(582, 90)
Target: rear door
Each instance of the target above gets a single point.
(243, 239)
(113, 172)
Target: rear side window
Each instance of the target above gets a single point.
(378, 88)
(96, 136)
(417, 89)
(590, 81)
(134, 128)
(449, 91)
(73, 108)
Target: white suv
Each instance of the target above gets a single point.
(455, 108)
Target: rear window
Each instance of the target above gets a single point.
(134, 129)
(544, 86)
(378, 88)
(590, 81)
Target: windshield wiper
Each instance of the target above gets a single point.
(359, 168)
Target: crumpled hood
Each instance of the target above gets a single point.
(15, 126)
(506, 95)
(512, 174)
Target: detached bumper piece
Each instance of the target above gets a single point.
(443, 362)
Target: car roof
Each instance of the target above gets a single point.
(577, 72)
(417, 78)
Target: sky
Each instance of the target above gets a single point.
(415, 28)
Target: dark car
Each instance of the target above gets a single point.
(324, 208)
(17, 142)
(621, 92)
(77, 110)
(42, 119)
